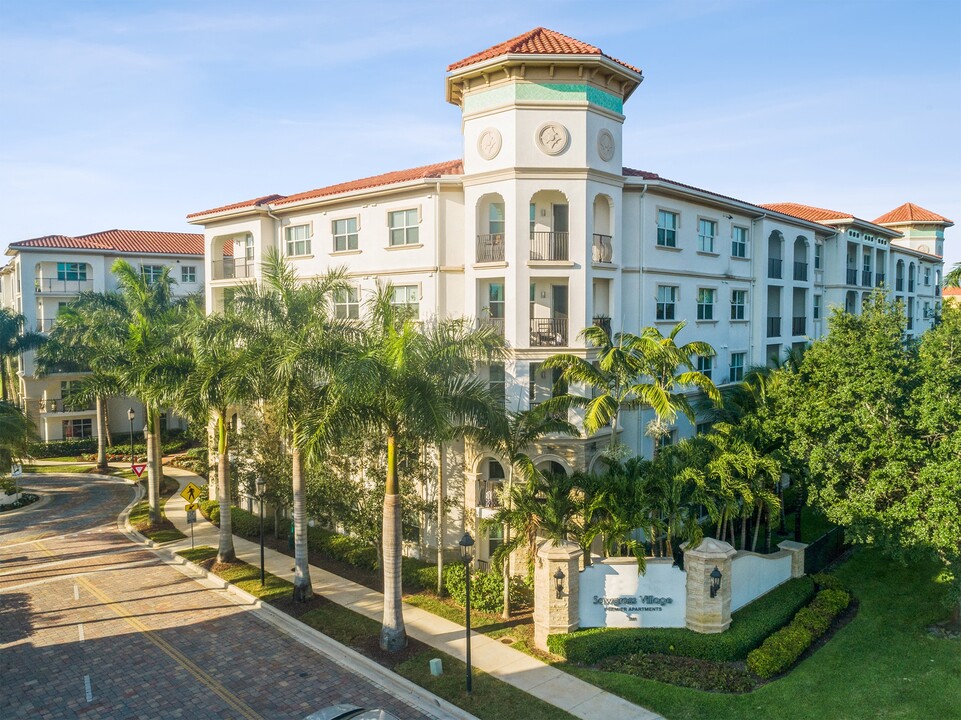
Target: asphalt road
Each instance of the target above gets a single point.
(95, 626)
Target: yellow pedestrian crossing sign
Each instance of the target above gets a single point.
(191, 493)
(194, 506)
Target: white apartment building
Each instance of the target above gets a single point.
(541, 230)
(44, 274)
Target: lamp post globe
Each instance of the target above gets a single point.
(467, 557)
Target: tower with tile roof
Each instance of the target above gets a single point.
(923, 230)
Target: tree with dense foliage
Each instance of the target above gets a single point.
(953, 276)
(15, 431)
(13, 341)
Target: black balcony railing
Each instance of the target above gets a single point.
(490, 248)
(549, 245)
(549, 332)
(866, 278)
(493, 322)
(852, 278)
(46, 325)
(489, 493)
(604, 322)
(801, 271)
(602, 249)
(774, 327)
(798, 326)
(59, 405)
(231, 269)
(899, 285)
(774, 267)
(878, 279)
(54, 286)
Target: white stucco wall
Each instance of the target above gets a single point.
(754, 575)
(613, 594)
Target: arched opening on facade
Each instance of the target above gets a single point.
(551, 466)
(801, 258)
(899, 276)
(232, 256)
(912, 272)
(602, 243)
(491, 228)
(775, 255)
(851, 302)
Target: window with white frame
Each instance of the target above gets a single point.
(736, 373)
(666, 228)
(497, 382)
(403, 227)
(407, 297)
(666, 302)
(818, 250)
(705, 365)
(817, 307)
(71, 271)
(347, 303)
(298, 240)
(495, 218)
(151, 273)
(738, 304)
(705, 303)
(927, 276)
(706, 232)
(345, 234)
(77, 428)
(188, 273)
(739, 241)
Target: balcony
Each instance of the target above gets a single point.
(551, 246)
(602, 249)
(492, 322)
(604, 322)
(866, 278)
(57, 405)
(489, 494)
(852, 277)
(549, 332)
(490, 248)
(774, 327)
(774, 268)
(231, 269)
(878, 279)
(52, 286)
(45, 325)
(801, 271)
(799, 326)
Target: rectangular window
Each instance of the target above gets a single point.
(818, 249)
(927, 276)
(298, 240)
(739, 241)
(817, 307)
(403, 227)
(495, 538)
(666, 228)
(151, 273)
(76, 429)
(71, 271)
(188, 273)
(666, 302)
(497, 383)
(495, 221)
(736, 373)
(68, 400)
(249, 248)
(495, 300)
(533, 217)
(705, 304)
(706, 232)
(347, 303)
(345, 234)
(738, 304)
(407, 297)
(703, 428)
(705, 365)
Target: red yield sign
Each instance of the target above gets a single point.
(138, 469)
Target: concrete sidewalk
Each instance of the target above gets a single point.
(553, 686)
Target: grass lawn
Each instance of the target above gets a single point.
(881, 665)
(48, 469)
(164, 531)
(492, 699)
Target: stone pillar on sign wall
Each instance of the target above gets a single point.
(706, 614)
(555, 599)
(797, 556)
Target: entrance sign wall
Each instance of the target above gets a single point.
(614, 594)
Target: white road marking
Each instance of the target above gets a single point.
(80, 630)
(87, 688)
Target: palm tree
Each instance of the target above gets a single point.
(15, 430)
(413, 381)
(295, 346)
(953, 277)
(510, 441)
(13, 341)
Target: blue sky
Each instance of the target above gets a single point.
(133, 114)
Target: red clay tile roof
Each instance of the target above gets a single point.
(807, 212)
(125, 241)
(451, 167)
(908, 213)
(237, 206)
(951, 292)
(539, 41)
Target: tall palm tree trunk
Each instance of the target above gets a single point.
(101, 436)
(507, 537)
(106, 424)
(303, 589)
(393, 635)
(225, 551)
(441, 517)
(153, 475)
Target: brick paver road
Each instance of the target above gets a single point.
(93, 626)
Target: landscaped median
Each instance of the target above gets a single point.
(491, 699)
(161, 532)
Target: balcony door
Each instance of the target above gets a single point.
(560, 215)
(559, 302)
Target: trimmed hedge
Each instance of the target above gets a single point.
(780, 651)
(486, 589)
(749, 627)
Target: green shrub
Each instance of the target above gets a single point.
(826, 581)
(812, 620)
(418, 575)
(486, 589)
(831, 602)
(779, 651)
(749, 627)
(60, 448)
(684, 672)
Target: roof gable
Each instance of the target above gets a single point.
(911, 213)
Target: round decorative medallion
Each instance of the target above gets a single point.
(489, 143)
(552, 138)
(605, 145)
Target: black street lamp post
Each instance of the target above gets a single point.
(130, 417)
(261, 489)
(466, 546)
